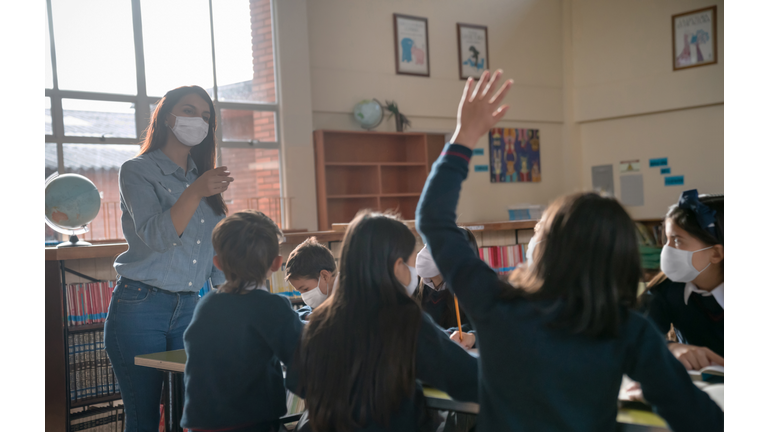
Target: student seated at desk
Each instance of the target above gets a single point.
(311, 270)
(689, 292)
(556, 339)
(437, 301)
(239, 334)
(365, 347)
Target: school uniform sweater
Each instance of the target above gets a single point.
(535, 378)
(698, 319)
(440, 363)
(235, 343)
(440, 307)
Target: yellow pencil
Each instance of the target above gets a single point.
(458, 318)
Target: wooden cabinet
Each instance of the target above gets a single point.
(376, 170)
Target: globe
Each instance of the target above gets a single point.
(71, 203)
(368, 113)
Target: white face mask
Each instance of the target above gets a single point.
(529, 252)
(414, 283)
(314, 297)
(190, 131)
(678, 264)
(426, 267)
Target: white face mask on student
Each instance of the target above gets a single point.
(678, 264)
(426, 267)
(414, 283)
(190, 131)
(529, 252)
(314, 297)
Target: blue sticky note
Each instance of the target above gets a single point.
(659, 162)
(665, 170)
(673, 181)
(478, 151)
(481, 168)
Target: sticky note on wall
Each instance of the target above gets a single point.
(665, 170)
(658, 162)
(481, 168)
(478, 151)
(674, 181)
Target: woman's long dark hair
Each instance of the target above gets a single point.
(204, 154)
(686, 220)
(357, 355)
(588, 261)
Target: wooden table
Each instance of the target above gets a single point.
(173, 362)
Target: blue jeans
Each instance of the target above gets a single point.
(143, 319)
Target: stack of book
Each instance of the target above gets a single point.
(503, 259)
(110, 419)
(88, 303)
(90, 372)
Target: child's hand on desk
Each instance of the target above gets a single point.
(468, 341)
(694, 357)
(479, 108)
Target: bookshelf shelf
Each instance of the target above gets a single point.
(96, 400)
(85, 328)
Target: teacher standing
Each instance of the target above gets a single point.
(170, 196)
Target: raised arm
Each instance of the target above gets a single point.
(474, 283)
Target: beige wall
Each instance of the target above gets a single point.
(595, 76)
(352, 56)
(629, 104)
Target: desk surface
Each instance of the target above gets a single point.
(174, 361)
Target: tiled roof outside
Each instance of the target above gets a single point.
(90, 156)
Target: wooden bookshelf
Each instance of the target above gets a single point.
(356, 170)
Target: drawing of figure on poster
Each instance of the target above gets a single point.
(515, 155)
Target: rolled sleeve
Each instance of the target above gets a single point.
(153, 225)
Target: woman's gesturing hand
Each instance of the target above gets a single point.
(479, 108)
(212, 182)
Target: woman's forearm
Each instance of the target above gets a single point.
(183, 209)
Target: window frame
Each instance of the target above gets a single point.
(142, 102)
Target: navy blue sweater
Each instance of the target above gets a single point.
(533, 377)
(235, 343)
(699, 323)
(440, 363)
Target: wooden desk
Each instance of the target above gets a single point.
(172, 362)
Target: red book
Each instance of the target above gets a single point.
(79, 304)
(87, 298)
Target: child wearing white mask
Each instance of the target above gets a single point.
(689, 293)
(311, 270)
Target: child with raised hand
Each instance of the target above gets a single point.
(689, 292)
(240, 334)
(556, 338)
(365, 347)
(311, 270)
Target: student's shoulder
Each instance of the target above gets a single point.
(139, 165)
(268, 301)
(638, 327)
(666, 290)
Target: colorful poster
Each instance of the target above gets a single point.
(515, 155)
(411, 45)
(695, 38)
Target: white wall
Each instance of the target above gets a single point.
(352, 57)
(630, 104)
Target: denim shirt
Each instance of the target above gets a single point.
(150, 184)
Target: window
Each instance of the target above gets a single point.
(99, 99)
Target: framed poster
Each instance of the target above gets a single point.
(473, 50)
(515, 155)
(411, 45)
(694, 38)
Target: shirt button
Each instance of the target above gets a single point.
(186, 184)
(198, 242)
(190, 284)
(169, 190)
(194, 261)
(202, 220)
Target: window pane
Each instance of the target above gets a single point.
(48, 64)
(245, 68)
(51, 166)
(97, 118)
(94, 45)
(243, 125)
(257, 181)
(177, 45)
(100, 163)
(48, 119)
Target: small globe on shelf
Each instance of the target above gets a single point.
(71, 203)
(368, 113)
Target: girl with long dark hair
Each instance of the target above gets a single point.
(170, 196)
(556, 338)
(365, 347)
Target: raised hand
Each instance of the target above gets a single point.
(212, 182)
(479, 108)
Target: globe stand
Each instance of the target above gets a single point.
(73, 242)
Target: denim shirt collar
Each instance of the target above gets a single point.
(168, 166)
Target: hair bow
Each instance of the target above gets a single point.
(705, 216)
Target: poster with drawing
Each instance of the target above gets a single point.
(411, 45)
(473, 50)
(695, 38)
(515, 155)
